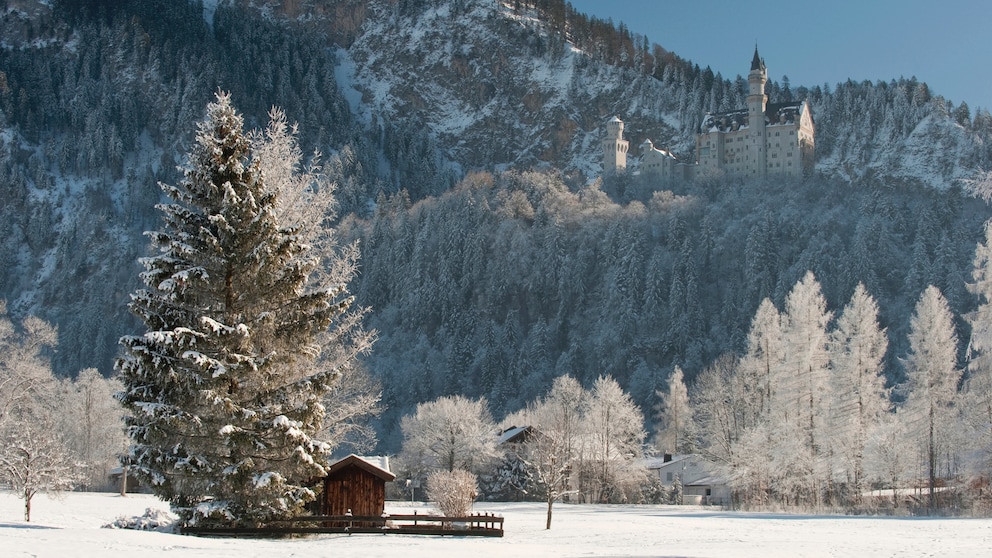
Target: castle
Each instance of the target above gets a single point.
(757, 141)
(760, 140)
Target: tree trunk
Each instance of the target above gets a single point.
(932, 464)
(27, 505)
(124, 481)
(547, 524)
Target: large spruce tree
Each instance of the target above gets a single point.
(222, 394)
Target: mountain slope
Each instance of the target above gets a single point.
(99, 98)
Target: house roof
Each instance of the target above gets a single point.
(662, 462)
(513, 434)
(378, 466)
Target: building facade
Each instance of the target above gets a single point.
(760, 140)
(656, 162)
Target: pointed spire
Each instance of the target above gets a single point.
(757, 63)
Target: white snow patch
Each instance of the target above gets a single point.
(71, 526)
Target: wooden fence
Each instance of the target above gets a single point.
(475, 525)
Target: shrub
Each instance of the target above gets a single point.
(452, 491)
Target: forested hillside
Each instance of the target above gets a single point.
(463, 139)
(497, 287)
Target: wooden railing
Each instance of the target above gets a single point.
(478, 525)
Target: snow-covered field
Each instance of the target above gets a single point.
(71, 527)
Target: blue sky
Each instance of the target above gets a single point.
(947, 43)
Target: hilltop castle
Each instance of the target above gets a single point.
(757, 141)
(760, 140)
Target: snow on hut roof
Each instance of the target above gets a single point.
(376, 465)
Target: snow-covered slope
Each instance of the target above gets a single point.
(498, 88)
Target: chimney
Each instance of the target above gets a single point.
(666, 458)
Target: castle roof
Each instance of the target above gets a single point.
(757, 63)
(775, 113)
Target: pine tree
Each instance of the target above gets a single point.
(931, 368)
(222, 394)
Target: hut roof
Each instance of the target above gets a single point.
(379, 469)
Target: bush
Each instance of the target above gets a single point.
(152, 520)
(452, 491)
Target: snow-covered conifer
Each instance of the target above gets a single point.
(978, 386)
(223, 396)
(804, 387)
(932, 381)
(859, 398)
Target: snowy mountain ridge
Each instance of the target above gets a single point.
(499, 88)
(490, 103)
(99, 100)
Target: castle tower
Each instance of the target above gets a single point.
(614, 147)
(756, 104)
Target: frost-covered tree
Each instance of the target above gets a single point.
(33, 454)
(449, 433)
(223, 391)
(859, 398)
(804, 386)
(932, 382)
(35, 458)
(615, 434)
(90, 420)
(25, 372)
(722, 409)
(552, 451)
(675, 415)
(762, 364)
(977, 390)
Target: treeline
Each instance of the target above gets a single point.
(508, 281)
(805, 417)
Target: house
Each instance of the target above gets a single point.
(702, 481)
(356, 485)
(760, 140)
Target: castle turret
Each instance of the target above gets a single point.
(756, 103)
(756, 80)
(614, 147)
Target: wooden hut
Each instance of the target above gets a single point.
(356, 484)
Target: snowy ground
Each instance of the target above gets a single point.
(71, 527)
